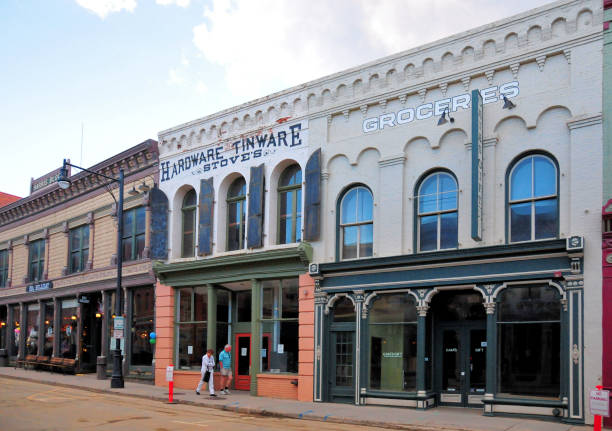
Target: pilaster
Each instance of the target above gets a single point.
(255, 334)
(211, 319)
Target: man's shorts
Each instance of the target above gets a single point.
(226, 371)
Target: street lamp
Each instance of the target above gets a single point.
(64, 182)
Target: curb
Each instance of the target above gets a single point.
(249, 410)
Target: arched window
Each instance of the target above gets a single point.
(290, 205)
(437, 212)
(529, 346)
(189, 222)
(236, 200)
(356, 225)
(533, 199)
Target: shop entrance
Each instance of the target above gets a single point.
(341, 362)
(460, 340)
(242, 367)
(91, 334)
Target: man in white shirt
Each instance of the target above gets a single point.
(208, 368)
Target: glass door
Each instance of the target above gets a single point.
(461, 364)
(342, 375)
(243, 362)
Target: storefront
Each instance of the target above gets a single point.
(458, 328)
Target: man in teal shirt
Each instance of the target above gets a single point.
(225, 362)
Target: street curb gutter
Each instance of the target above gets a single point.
(249, 410)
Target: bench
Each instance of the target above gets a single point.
(42, 361)
(29, 361)
(62, 364)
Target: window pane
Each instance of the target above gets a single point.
(222, 334)
(428, 233)
(128, 223)
(49, 332)
(287, 361)
(127, 249)
(520, 183)
(32, 332)
(34, 252)
(267, 306)
(222, 305)
(393, 308)
(349, 207)
(427, 203)
(529, 359)
(200, 303)
(142, 326)
(188, 220)
(68, 329)
(364, 211)
(185, 305)
(75, 262)
(188, 246)
(140, 244)
(140, 220)
(349, 242)
(16, 331)
(520, 222)
(545, 182)
(298, 219)
(365, 240)
(75, 239)
(453, 306)
(238, 188)
(546, 219)
(393, 357)
(344, 310)
(530, 303)
(192, 338)
(85, 236)
(448, 230)
(447, 199)
(190, 199)
(290, 298)
(243, 303)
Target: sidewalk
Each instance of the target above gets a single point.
(437, 419)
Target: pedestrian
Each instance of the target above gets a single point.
(225, 362)
(208, 368)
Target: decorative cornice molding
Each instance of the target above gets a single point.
(392, 161)
(584, 121)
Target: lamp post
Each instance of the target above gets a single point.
(64, 183)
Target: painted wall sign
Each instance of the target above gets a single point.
(46, 180)
(247, 150)
(477, 165)
(435, 109)
(39, 287)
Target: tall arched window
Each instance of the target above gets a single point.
(236, 200)
(290, 205)
(356, 224)
(533, 199)
(437, 212)
(189, 222)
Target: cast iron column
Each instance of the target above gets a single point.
(211, 320)
(421, 370)
(255, 334)
(491, 367)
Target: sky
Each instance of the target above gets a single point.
(112, 73)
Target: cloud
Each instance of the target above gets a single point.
(181, 3)
(103, 7)
(269, 45)
(175, 77)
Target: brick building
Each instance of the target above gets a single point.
(58, 266)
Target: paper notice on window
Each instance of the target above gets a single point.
(243, 351)
(263, 353)
(190, 350)
(280, 348)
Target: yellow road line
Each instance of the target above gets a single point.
(191, 423)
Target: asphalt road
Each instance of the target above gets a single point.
(36, 407)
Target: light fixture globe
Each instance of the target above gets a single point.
(63, 181)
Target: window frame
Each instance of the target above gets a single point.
(191, 322)
(39, 263)
(134, 235)
(283, 191)
(242, 224)
(438, 213)
(515, 162)
(80, 250)
(4, 267)
(340, 226)
(184, 210)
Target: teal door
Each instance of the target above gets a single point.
(460, 363)
(342, 366)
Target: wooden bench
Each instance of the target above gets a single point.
(29, 361)
(62, 364)
(42, 362)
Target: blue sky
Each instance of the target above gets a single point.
(127, 69)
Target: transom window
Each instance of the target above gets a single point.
(79, 248)
(534, 202)
(3, 267)
(437, 210)
(236, 214)
(37, 260)
(356, 224)
(290, 205)
(188, 210)
(133, 233)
